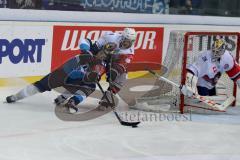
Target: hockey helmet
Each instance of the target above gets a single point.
(128, 38)
(218, 48)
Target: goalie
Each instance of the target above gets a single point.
(79, 75)
(204, 73)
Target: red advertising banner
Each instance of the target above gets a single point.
(148, 46)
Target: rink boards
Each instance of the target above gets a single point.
(31, 50)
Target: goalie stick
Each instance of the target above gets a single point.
(124, 123)
(210, 103)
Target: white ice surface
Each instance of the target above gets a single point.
(29, 130)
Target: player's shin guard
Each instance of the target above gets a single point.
(25, 92)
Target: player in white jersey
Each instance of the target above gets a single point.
(209, 67)
(78, 76)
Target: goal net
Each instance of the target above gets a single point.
(183, 49)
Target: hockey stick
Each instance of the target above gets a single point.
(210, 103)
(124, 123)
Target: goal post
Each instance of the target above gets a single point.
(183, 49)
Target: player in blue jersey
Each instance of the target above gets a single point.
(78, 76)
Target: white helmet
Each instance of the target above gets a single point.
(218, 48)
(128, 38)
(129, 33)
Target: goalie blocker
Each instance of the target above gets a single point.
(190, 87)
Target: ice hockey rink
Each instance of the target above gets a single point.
(30, 130)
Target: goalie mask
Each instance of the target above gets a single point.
(128, 38)
(218, 48)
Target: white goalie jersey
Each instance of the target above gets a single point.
(209, 70)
